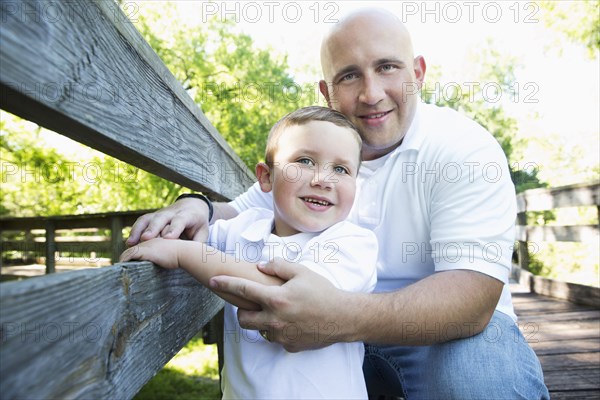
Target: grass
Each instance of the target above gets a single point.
(192, 374)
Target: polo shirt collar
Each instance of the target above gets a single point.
(259, 230)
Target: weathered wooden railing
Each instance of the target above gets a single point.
(81, 69)
(587, 194)
(53, 245)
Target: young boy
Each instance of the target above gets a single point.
(312, 161)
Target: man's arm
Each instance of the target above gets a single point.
(444, 306)
(187, 217)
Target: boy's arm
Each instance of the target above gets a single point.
(202, 262)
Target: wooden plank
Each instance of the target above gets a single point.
(575, 394)
(569, 316)
(583, 194)
(117, 244)
(50, 246)
(582, 379)
(60, 246)
(96, 333)
(566, 347)
(575, 233)
(556, 332)
(555, 362)
(576, 293)
(99, 220)
(88, 74)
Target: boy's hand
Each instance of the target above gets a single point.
(162, 252)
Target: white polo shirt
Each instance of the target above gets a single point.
(256, 369)
(442, 200)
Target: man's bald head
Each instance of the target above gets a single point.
(367, 21)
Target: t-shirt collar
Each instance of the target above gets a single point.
(412, 141)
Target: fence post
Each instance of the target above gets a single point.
(523, 252)
(116, 238)
(50, 246)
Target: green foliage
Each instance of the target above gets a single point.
(191, 374)
(577, 20)
(39, 180)
(242, 89)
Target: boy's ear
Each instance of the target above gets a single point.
(263, 174)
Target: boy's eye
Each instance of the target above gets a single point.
(305, 161)
(340, 170)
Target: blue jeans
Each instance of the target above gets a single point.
(495, 364)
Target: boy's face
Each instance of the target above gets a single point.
(313, 178)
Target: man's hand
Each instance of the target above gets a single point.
(159, 251)
(300, 314)
(186, 218)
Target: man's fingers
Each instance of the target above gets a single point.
(280, 268)
(244, 288)
(177, 226)
(201, 235)
(156, 225)
(137, 229)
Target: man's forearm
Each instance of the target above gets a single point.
(442, 307)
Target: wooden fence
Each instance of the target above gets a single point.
(52, 245)
(583, 194)
(81, 69)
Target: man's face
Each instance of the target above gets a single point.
(372, 78)
(313, 178)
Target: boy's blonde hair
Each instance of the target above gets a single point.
(303, 116)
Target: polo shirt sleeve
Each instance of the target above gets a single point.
(346, 255)
(473, 210)
(252, 198)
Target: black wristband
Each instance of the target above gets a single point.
(202, 197)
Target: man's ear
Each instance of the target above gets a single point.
(263, 174)
(324, 89)
(419, 67)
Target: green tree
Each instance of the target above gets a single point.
(495, 72)
(39, 180)
(242, 89)
(578, 20)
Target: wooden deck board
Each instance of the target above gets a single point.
(566, 338)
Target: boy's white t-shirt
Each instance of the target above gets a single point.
(346, 255)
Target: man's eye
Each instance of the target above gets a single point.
(348, 77)
(387, 67)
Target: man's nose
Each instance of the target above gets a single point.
(372, 91)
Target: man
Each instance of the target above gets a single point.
(435, 188)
